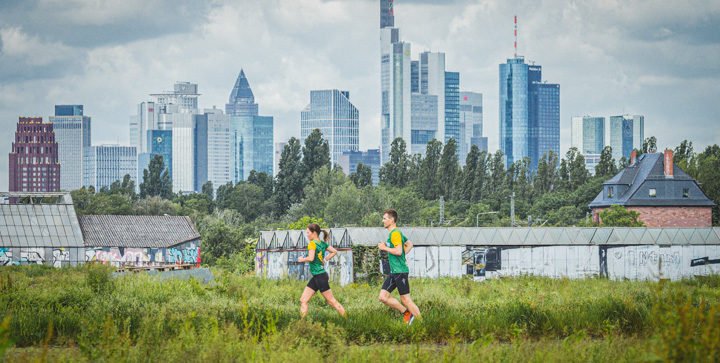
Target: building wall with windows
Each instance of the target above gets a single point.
(109, 163)
(336, 117)
(72, 134)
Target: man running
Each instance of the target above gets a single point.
(397, 246)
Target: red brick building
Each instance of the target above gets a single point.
(34, 164)
(663, 194)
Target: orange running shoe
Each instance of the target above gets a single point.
(408, 317)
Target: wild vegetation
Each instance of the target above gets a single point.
(85, 314)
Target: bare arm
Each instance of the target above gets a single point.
(332, 253)
(408, 247)
(309, 258)
(397, 251)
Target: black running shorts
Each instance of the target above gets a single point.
(399, 281)
(319, 282)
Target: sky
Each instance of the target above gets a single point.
(660, 59)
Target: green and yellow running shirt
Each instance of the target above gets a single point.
(317, 265)
(398, 265)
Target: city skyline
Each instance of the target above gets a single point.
(670, 78)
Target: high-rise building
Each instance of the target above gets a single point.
(279, 146)
(212, 155)
(424, 123)
(432, 82)
(251, 135)
(183, 99)
(160, 143)
(625, 132)
(183, 152)
(349, 161)
(587, 134)
(529, 112)
(106, 164)
(471, 123)
(452, 108)
(72, 134)
(141, 123)
(395, 81)
(336, 117)
(34, 165)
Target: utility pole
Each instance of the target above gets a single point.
(512, 210)
(442, 210)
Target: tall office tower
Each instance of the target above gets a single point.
(395, 82)
(587, 134)
(106, 164)
(141, 123)
(251, 135)
(625, 132)
(183, 99)
(34, 165)
(529, 112)
(72, 134)
(337, 118)
(452, 109)
(212, 150)
(424, 123)
(279, 146)
(432, 82)
(471, 123)
(183, 152)
(349, 161)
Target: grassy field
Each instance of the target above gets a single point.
(83, 314)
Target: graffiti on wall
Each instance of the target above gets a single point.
(261, 262)
(5, 256)
(340, 267)
(186, 253)
(32, 256)
(60, 255)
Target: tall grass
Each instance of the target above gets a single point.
(85, 314)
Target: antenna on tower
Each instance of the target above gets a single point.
(515, 44)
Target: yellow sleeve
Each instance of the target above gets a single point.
(311, 246)
(396, 238)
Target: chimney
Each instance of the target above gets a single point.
(668, 164)
(633, 157)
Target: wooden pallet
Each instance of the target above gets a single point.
(161, 268)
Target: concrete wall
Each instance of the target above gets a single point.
(669, 216)
(278, 264)
(184, 253)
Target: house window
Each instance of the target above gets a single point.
(686, 193)
(610, 192)
(652, 192)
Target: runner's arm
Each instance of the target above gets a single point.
(408, 247)
(332, 253)
(397, 251)
(309, 258)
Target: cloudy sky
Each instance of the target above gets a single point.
(656, 58)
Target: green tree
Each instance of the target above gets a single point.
(219, 240)
(649, 144)
(606, 167)
(546, 178)
(208, 190)
(345, 206)
(684, 157)
(577, 173)
(448, 170)
(428, 184)
(318, 193)
(264, 181)
(315, 154)
(248, 199)
(156, 180)
(622, 163)
(81, 199)
(480, 180)
(362, 177)
(497, 191)
(395, 172)
(155, 206)
(301, 224)
(468, 174)
(708, 176)
(113, 204)
(618, 216)
(289, 179)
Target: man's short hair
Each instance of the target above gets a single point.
(392, 213)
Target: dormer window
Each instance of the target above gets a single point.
(611, 192)
(652, 192)
(686, 192)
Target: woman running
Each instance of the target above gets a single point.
(320, 281)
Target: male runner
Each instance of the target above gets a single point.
(397, 246)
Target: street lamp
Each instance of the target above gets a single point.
(477, 217)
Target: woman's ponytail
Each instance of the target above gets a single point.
(326, 236)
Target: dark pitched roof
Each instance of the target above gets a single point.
(137, 231)
(242, 90)
(634, 182)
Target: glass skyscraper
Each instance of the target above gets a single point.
(349, 161)
(588, 136)
(529, 112)
(423, 121)
(72, 133)
(160, 143)
(471, 123)
(336, 117)
(625, 132)
(452, 108)
(109, 163)
(251, 135)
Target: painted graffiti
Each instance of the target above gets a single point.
(60, 255)
(32, 256)
(182, 255)
(645, 257)
(5, 256)
(702, 261)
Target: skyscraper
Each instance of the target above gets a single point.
(141, 123)
(349, 161)
(337, 118)
(471, 123)
(587, 134)
(34, 165)
(72, 134)
(395, 81)
(106, 164)
(424, 123)
(251, 135)
(183, 152)
(279, 146)
(213, 148)
(183, 99)
(529, 112)
(452, 108)
(625, 132)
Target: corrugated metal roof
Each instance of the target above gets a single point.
(540, 236)
(137, 231)
(39, 225)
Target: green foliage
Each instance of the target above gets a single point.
(156, 179)
(606, 167)
(302, 223)
(362, 177)
(316, 154)
(290, 178)
(618, 216)
(396, 172)
(98, 278)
